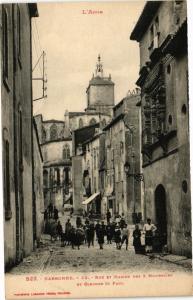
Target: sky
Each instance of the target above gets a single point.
(72, 41)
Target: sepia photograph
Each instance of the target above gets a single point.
(96, 149)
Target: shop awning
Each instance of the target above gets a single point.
(91, 198)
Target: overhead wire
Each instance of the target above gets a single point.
(39, 43)
(39, 52)
(38, 55)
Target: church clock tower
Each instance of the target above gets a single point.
(100, 92)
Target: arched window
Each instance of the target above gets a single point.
(104, 123)
(53, 132)
(66, 152)
(92, 121)
(62, 133)
(43, 135)
(45, 178)
(81, 124)
(57, 176)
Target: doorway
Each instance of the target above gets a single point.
(161, 213)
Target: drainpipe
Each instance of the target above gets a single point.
(17, 223)
(32, 150)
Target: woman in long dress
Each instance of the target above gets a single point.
(149, 229)
(118, 237)
(137, 240)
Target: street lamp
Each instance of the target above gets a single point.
(137, 176)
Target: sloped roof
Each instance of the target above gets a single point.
(144, 20)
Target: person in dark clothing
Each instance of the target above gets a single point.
(55, 213)
(72, 236)
(137, 240)
(97, 229)
(68, 227)
(80, 236)
(100, 236)
(53, 231)
(78, 222)
(122, 222)
(50, 210)
(90, 234)
(108, 214)
(59, 230)
(109, 232)
(113, 230)
(125, 236)
(118, 237)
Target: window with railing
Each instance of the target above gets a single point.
(154, 35)
(154, 111)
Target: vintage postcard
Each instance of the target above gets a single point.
(95, 149)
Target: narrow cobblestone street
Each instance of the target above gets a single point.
(52, 258)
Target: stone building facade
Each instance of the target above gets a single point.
(56, 138)
(163, 78)
(56, 147)
(94, 174)
(82, 161)
(17, 130)
(38, 195)
(122, 143)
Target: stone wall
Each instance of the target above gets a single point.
(77, 178)
(38, 186)
(101, 95)
(17, 131)
(53, 151)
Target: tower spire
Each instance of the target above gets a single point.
(99, 67)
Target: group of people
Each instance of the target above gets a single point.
(85, 233)
(116, 231)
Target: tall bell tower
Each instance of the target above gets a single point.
(100, 92)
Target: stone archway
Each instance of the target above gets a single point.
(161, 212)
